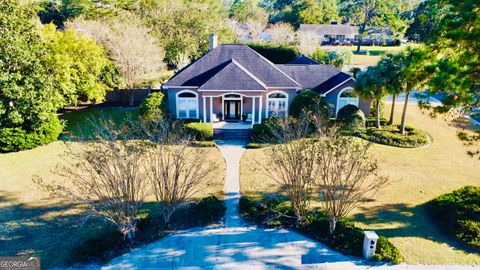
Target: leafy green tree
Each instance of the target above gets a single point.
(369, 14)
(426, 18)
(243, 10)
(371, 85)
(304, 11)
(183, 27)
(28, 100)
(77, 64)
(456, 42)
(61, 11)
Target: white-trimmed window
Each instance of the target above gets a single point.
(277, 104)
(346, 97)
(187, 104)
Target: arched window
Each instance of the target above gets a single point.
(187, 104)
(277, 104)
(346, 97)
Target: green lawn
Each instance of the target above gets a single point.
(418, 175)
(79, 123)
(375, 53)
(31, 223)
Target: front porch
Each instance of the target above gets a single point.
(227, 111)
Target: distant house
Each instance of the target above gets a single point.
(332, 33)
(234, 80)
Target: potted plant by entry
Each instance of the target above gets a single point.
(220, 116)
(244, 117)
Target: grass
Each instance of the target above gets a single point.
(376, 53)
(79, 123)
(418, 176)
(31, 223)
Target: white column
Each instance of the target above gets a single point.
(211, 109)
(223, 108)
(253, 111)
(204, 109)
(260, 110)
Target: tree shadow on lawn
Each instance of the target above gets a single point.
(46, 229)
(402, 220)
(80, 123)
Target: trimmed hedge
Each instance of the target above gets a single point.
(200, 131)
(390, 135)
(386, 252)
(351, 118)
(347, 238)
(458, 214)
(278, 54)
(17, 139)
(371, 121)
(109, 243)
(154, 106)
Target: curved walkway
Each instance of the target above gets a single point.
(236, 245)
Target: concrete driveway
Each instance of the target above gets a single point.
(235, 245)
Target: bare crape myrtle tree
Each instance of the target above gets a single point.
(175, 170)
(105, 175)
(114, 173)
(290, 165)
(311, 158)
(346, 176)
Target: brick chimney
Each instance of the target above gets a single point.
(213, 41)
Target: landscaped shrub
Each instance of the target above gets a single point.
(201, 131)
(371, 121)
(278, 54)
(390, 135)
(208, 211)
(351, 118)
(308, 101)
(261, 133)
(386, 252)
(346, 238)
(458, 214)
(100, 248)
(17, 139)
(155, 106)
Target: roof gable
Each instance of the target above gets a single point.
(234, 77)
(320, 78)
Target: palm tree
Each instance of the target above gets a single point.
(390, 69)
(413, 74)
(370, 85)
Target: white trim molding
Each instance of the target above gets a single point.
(188, 113)
(336, 86)
(355, 99)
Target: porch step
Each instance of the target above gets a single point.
(231, 134)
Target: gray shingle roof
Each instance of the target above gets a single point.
(319, 78)
(238, 67)
(233, 76)
(207, 66)
(303, 60)
(330, 29)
